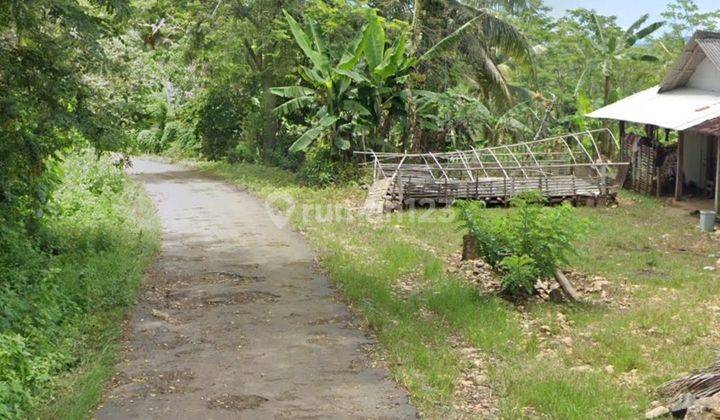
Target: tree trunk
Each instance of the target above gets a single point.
(269, 128)
(416, 27)
(606, 99)
(470, 248)
(606, 91)
(412, 117)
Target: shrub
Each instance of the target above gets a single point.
(544, 233)
(527, 243)
(520, 274)
(179, 140)
(170, 133)
(488, 233)
(243, 152)
(322, 169)
(150, 140)
(221, 111)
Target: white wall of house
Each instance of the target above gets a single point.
(706, 77)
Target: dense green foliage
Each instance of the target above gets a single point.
(56, 90)
(59, 289)
(71, 247)
(262, 81)
(529, 243)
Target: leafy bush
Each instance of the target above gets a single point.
(170, 133)
(220, 114)
(490, 240)
(322, 168)
(150, 140)
(243, 152)
(520, 274)
(63, 289)
(179, 140)
(527, 243)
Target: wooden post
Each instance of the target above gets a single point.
(446, 188)
(401, 193)
(717, 177)
(621, 152)
(505, 190)
(680, 174)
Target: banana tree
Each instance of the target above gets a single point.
(610, 46)
(362, 91)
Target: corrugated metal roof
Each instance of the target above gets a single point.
(678, 109)
(672, 105)
(702, 44)
(711, 48)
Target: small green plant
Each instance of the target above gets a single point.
(179, 139)
(544, 233)
(487, 232)
(520, 274)
(530, 242)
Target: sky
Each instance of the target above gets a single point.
(627, 11)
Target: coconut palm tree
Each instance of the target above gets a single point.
(492, 39)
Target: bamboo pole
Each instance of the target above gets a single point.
(450, 154)
(549, 166)
(397, 170)
(380, 166)
(462, 159)
(586, 152)
(426, 164)
(477, 156)
(439, 166)
(537, 164)
(498, 162)
(621, 127)
(517, 161)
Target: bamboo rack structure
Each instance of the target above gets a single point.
(562, 167)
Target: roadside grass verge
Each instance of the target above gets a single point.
(66, 290)
(542, 359)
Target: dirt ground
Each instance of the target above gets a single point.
(235, 321)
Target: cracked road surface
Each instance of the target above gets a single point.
(234, 321)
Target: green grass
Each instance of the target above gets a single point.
(68, 288)
(122, 266)
(652, 254)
